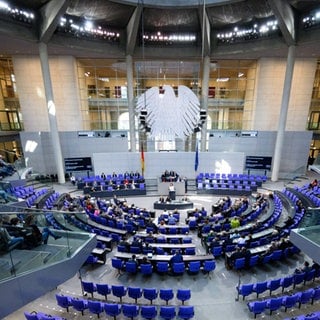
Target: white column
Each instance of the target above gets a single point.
(283, 113)
(131, 103)
(204, 98)
(51, 111)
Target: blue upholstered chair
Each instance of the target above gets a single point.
(166, 295)
(183, 295)
(112, 309)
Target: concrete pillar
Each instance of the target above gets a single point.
(283, 113)
(51, 111)
(131, 103)
(204, 98)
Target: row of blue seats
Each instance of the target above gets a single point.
(163, 267)
(287, 301)
(135, 293)
(128, 310)
(240, 176)
(247, 289)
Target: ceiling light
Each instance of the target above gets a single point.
(222, 79)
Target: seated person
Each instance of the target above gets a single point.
(134, 259)
(145, 261)
(6, 240)
(305, 268)
(171, 220)
(38, 236)
(177, 257)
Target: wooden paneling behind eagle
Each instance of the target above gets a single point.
(168, 115)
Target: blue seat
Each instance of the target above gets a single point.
(239, 263)
(298, 278)
(316, 295)
(194, 267)
(103, 289)
(310, 275)
(166, 295)
(146, 269)
(260, 287)
(112, 309)
(217, 251)
(89, 287)
(178, 268)
(63, 301)
(130, 310)
(135, 293)
(186, 312)
(79, 304)
(274, 304)
(183, 295)
(192, 224)
(208, 266)
(305, 296)
(131, 267)
(245, 290)
(95, 307)
(190, 251)
(119, 291)
(254, 260)
(148, 312)
(167, 312)
(162, 267)
(290, 301)
(256, 307)
(150, 294)
(286, 282)
(273, 285)
(117, 264)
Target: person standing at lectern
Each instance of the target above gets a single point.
(172, 191)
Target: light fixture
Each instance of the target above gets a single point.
(223, 79)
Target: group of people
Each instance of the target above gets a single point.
(169, 176)
(24, 234)
(6, 169)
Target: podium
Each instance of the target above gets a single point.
(172, 195)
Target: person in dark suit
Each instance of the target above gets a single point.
(177, 257)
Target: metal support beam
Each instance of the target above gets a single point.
(286, 20)
(283, 113)
(50, 14)
(205, 31)
(132, 30)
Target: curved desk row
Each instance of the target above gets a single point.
(172, 205)
(163, 258)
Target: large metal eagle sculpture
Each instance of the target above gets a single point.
(169, 116)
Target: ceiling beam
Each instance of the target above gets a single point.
(49, 17)
(205, 31)
(132, 30)
(286, 19)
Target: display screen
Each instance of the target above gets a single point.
(78, 164)
(258, 163)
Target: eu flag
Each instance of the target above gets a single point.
(196, 160)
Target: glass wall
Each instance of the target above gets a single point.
(314, 117)
(103, 86)
(10, 115)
